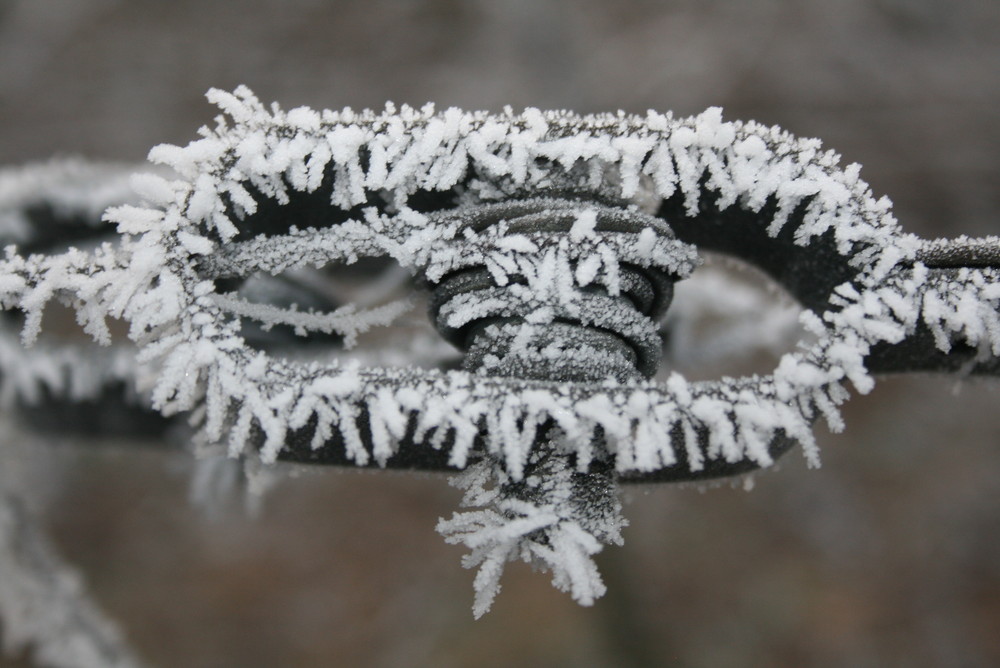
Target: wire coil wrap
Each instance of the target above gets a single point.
(538, 323)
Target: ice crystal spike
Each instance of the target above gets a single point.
(555, 518)
(550, 244)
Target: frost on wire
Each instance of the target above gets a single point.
(55, 209)
(519, 438)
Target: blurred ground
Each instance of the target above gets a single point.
(888, 555)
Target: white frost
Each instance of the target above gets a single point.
(161, 280)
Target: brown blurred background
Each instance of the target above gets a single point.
(888, 555)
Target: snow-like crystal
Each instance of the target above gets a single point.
(162, 280)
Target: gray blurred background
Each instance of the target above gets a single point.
(888, 555)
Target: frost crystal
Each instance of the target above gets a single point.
(551, 242)
(43, 207)
(554, 518)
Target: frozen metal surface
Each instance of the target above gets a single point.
(887, 555)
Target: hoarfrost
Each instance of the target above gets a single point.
(418, 150)
(40, 205)
(199, 229)
(555, 519)
(346, 321)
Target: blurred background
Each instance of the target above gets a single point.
(887, 555)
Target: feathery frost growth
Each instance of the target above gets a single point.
(553, 518)
(550, 243)
(56, 208)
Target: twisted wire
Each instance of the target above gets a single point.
(573, 332)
